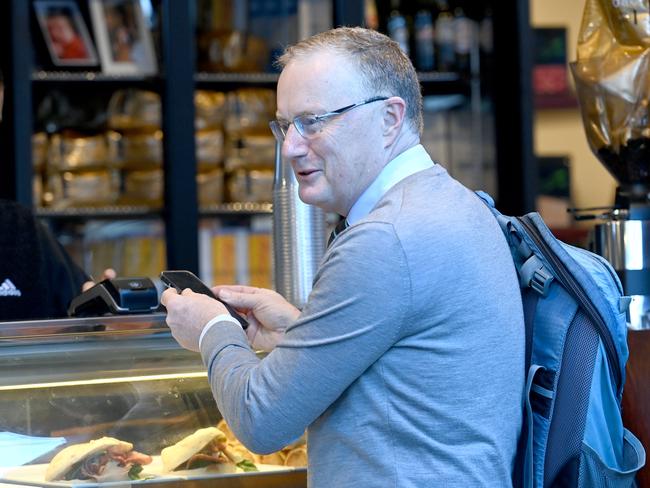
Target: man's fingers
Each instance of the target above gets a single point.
(167, 295)
(246, 301)
(187, 292)
(109, 274)
(235, 288)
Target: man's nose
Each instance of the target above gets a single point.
(294, 144)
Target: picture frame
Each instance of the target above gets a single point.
(65, 33)
(124, 41)
(551, 87)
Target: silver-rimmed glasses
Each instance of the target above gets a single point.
(308, 125)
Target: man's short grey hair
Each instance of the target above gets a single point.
(384, 68)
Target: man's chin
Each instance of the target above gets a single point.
(308, 196)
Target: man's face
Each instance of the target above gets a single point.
(336, 165)
(60, 28)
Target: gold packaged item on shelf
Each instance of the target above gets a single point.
(83, 188)
(133, 109)
(251, 186)
(210, 109)
(142, 187)
(210, 187)
(248, 141)
(72, 151)
(249, 111)
(37, 188)
(137, 150)
(39, 150)
(209, 148)
(233, 51)
(252, 151)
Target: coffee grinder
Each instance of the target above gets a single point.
(612, 79)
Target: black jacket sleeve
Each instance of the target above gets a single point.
(37, 277)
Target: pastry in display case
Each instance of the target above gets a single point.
(96, 400)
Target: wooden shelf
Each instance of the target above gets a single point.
(236, 209)
(91, 76)
(143, 212)
(112, 212)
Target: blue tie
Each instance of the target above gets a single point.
(340, 227)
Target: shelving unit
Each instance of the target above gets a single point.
(176, 84)
(99, 213)
(52, 77)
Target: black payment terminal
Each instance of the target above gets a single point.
(116, 296)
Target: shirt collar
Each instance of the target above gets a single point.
(404, 165)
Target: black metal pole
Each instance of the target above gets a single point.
(513, 107)
(348, 13)
(181, 204)
(17, 123)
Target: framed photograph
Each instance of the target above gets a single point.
(65, 33)
(550, 71)
(123, 38)
(554, 190)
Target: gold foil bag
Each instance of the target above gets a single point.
(613, 86)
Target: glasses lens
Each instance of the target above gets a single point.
(278, 131)
(308, 125)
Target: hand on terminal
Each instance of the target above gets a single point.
(108, 274)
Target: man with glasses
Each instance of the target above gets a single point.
(406, 363)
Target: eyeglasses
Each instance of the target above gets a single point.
(309, 125)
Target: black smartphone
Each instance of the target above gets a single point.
(186, 279)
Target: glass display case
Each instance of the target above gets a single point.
(74, 380)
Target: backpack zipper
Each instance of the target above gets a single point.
(569, 282)
(615, 278)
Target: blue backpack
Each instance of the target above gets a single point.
(576, 351)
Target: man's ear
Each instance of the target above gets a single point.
(393, 119)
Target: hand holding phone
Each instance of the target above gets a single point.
(186, 279)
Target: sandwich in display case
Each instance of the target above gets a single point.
(80, 381)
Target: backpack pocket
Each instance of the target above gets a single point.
(594, 472)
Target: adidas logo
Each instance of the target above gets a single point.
(8, 289)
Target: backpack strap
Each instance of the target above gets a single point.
(533, 273)
(531, 270)
(529, 471)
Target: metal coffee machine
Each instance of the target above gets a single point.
(624, 240)
(612, 77)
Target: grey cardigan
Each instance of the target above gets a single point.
(406, 364)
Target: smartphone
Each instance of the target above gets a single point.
(186, 279)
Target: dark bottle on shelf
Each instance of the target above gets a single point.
(424, 41)
(445, 38)
(370, 14)
(398, 27)
(464, 39)
(486, 40)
